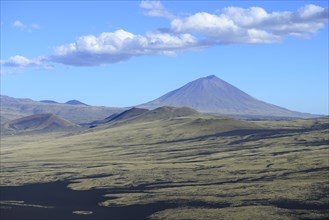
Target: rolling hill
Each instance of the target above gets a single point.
(131, 113)
(173, 162)
(38, 122)
(213, 95)
(137, 115)
(128, 114)
(144, 115)
(166, 112)
(167, 124)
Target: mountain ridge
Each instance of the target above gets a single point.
(14, 108)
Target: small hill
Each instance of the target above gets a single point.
(138, 115)
(125, 115)
(49, 101)
(107, 119)
(39, 122)
(131, 113)
(213, 95)
(166, 112)
(75, 102)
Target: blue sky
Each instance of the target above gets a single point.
(124, 53)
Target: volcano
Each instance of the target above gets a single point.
(213, 95)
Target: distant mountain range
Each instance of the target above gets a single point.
(213, 95)
(206, 95)
(71, 102)
(77, 112)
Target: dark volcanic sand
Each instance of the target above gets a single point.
(65, 201)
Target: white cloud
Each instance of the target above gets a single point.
(231, 25)
(255, 36)
(156, 9)
(205, 23)
(252, 25)
(151, 5)
(20, 62)
(113, 47)
(314, 12)
(20, 25)
(245, 17)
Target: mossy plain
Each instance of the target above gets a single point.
(206, 167)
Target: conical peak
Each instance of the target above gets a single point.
(211, 77)
(214, 95)
(212, 80)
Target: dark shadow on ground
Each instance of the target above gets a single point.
(64, 201)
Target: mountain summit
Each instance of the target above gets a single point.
(75, 102)
(213, 95)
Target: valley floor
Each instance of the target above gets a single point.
(169, 170)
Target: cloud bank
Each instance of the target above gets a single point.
(231, 25)
(252, 25)
(113, 47)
